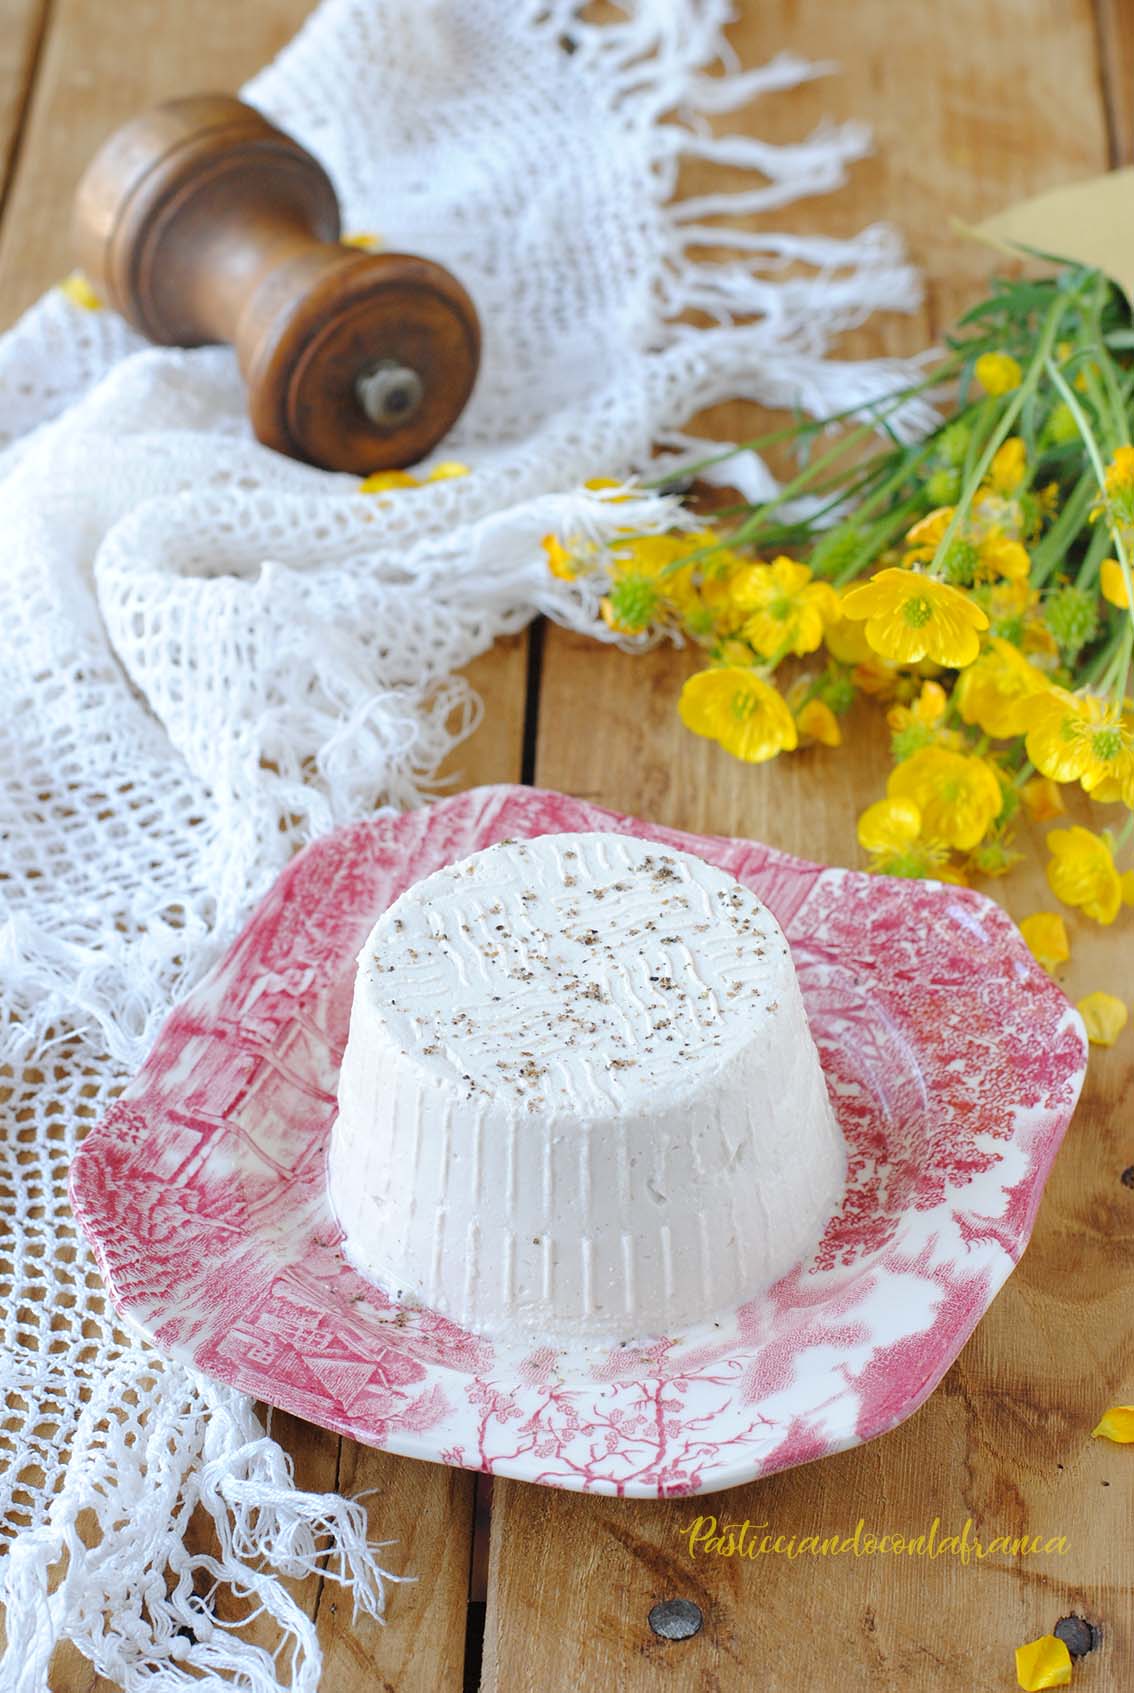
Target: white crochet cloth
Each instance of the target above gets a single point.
(211, 654)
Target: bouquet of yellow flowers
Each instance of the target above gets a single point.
(976, 582)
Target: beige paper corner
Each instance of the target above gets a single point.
(1090, 222)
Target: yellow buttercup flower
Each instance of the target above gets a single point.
(926, 710)
(910, 616)
(1082, 873)
(739, 709)
(1042, 799)
(1104, 1017)
(788, 611)
(993, 857)
(1082, 738)
(1009, 466)
(1046, 935)
(998, 373)
(876, 678)
(958, 794)
(447, 470)
(993, 692)
(649, 579)
(721, 612)
(632, 605)
(923, 540)
(1119, 485)
(1007, 600)
(1113, 584)
(890, 830)
(1002, 555)
(1116, 1424)
(987, 546)
(889, 825)
(364, 239)
(921, 722)
(1043, 1663)
(845, 640)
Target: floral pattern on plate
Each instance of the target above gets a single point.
(954, 1064)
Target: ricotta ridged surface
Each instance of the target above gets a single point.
(580, 1095)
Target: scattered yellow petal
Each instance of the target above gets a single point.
(818, 722)
(1043, 1663)
(384, 481)
(1117, 1424)
(446, 470)
(1042, 799)
(80, 293)
(997, 373)
(996, 692)
(1104, 1017)
(364, 239)
(559, 560)
(1113, 583)
(1046, 935)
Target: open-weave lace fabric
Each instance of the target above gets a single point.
(212, 654)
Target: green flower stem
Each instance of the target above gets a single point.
(877, 539)
(1116, 675)
(1101, 662)
(1000, 434)
(799, 484)
(1095, 456)
(1097, 549)
(1050, 551)
(945, 372)
(912, 459)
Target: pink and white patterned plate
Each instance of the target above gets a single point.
(954, 1065)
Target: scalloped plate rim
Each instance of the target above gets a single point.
(89, 1211)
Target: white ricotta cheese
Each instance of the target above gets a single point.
(580, 1096)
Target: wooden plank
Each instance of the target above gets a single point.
(1116, 68)
(963, 114)
(21, 34)
(102, 61)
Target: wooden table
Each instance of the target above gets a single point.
(973, 105)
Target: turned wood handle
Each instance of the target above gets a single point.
(200, 221)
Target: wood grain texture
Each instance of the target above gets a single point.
(970, 113)
(971, 110)
(1116, 74)
(100, 62)
(22, 24)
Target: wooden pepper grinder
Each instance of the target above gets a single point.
(200, 221)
